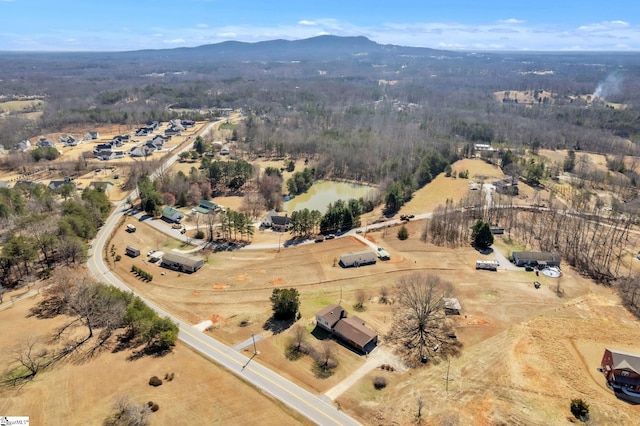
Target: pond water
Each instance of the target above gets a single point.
(323, 192)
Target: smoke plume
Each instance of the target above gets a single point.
(609, 87)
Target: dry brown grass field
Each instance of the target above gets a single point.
(526, 352)
(82, 390)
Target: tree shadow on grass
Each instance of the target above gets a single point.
(278, 326)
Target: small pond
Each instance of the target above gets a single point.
(323, 192)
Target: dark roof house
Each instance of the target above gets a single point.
(328, 317)
(533, 258)
(181, 262)
(352, 330)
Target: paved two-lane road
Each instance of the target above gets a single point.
(306, 403)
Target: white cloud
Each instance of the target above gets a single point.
(175, 41)
(305, 22)
(604, 26)
(202, 25)
(512, 21)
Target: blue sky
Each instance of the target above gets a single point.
(116, 25)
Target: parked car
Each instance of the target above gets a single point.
(150, 252)
(176, 226)
(183, 231)
(358, 231)
(330, 237)
(319, 239)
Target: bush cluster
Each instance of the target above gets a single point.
(168, 377)
(155, 381)
(153, 406)
(387, 367)
(379, 382)
(141, 274)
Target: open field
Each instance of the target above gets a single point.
(82, 391)
(504, 320)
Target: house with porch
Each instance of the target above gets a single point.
(172, 215)
(350, 330)
(622, 371)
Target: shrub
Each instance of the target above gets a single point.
(155, 407)
(403, 233)
(150, 403)
(199, 235)
(168, 377)
(118, 258)
(155, 381)
(379, 382)
(580, 409)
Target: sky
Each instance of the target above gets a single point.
(478, 25)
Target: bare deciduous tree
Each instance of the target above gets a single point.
(31, 359)
(384, 295)
(128, 413)
(361, 297)
(419, 326)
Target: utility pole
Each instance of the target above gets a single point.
(255, 350)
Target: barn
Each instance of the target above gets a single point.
(360, 258)
(179, 262)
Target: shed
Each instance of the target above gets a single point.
(534, 258)
(451, 306)
(172, 215)
(182, 263)
(360, 258)
(353, 331)
(132, 251)
(328, 317)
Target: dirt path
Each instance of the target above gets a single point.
(374, 360)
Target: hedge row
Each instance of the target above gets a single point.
(141, 274)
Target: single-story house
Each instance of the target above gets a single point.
(89, 136)
(56, 184)
(482, 147)
(182, 263)
(280, 223)
(103, 186)
(69, 140)
(353, 331)
(140, 151)
(132, 251)
(622, 371)
(327, 318)
(535, 258)
(206, 207)
(507, 186)
(360, 258)
(489, 265)
(45, 143)
(172, 215)
(107, 155)
(451, 306)
(187, 123)
(23, 145)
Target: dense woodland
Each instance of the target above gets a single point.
(387, 115)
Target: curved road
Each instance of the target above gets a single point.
(306, 403)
